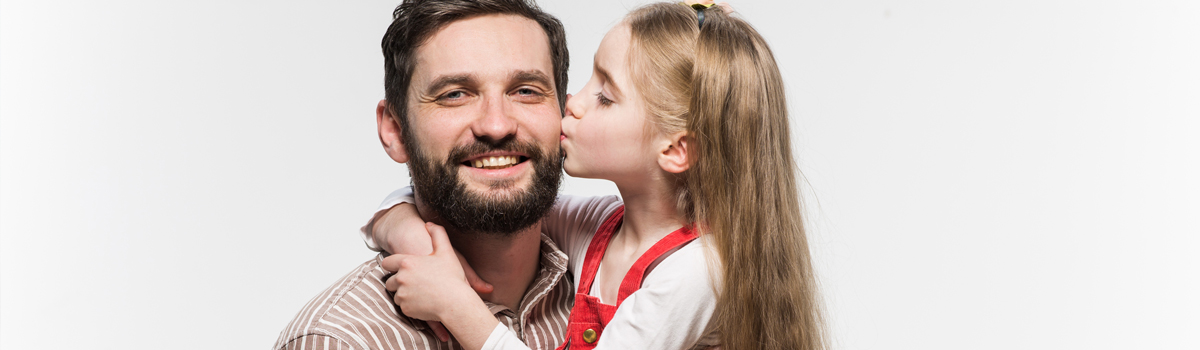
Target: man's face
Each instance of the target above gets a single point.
(485, 124)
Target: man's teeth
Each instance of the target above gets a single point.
(495, 162)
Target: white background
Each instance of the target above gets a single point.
(980, 174)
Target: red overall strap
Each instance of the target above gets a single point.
(633, 278)
(585, 325)
(595, 252)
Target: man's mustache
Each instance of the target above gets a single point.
(461, 153)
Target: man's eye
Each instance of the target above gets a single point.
(529, 92)
(528, 95)
(453, 95)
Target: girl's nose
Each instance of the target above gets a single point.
(572, 108)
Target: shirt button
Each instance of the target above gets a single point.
(589, 336)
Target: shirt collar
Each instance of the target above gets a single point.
(552, 265)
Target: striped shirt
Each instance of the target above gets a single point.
(358, 313)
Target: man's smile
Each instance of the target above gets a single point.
(495, 161)
(497, 166)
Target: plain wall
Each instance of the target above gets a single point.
(979, 174)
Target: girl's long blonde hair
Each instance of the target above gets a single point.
(719, 83)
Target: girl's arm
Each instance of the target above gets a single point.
(397, 212)
(571, 222)
(386, 229)
(433, 287)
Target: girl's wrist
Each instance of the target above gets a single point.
(470, 322)
(401, 230)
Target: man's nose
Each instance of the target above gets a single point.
(497, 122)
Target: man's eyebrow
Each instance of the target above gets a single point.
(534, 76)
(447, 80)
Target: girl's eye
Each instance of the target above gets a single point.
(604, 101)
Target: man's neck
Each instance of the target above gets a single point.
(509, 263)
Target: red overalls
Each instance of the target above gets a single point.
(589, 316)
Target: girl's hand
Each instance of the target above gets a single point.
(434, 288)
(401, 230)
(430, 287)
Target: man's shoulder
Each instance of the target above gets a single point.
(355, 312)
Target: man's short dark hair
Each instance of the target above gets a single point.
(414, 21)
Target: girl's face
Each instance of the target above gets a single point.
(604, 128)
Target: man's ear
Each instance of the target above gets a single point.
(673, 154)
(389, 133)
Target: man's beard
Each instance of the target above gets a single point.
(442, 190)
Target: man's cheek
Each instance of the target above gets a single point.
(548, 118)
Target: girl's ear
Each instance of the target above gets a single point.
(673, 157)
(389, 133)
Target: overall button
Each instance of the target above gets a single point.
(589, 336)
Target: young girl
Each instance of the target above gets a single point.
(685, 113)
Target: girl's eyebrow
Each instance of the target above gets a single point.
(607, 78)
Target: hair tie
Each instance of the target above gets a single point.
(701, 5)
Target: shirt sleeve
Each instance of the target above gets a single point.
(403, 195)
(503, 338)
(670, 311)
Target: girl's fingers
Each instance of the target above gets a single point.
(441, 242)
(392, 284)
(439, 330)
(392, 262)
(478, 284)
(441, 245)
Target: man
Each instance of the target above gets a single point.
(474, 94)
